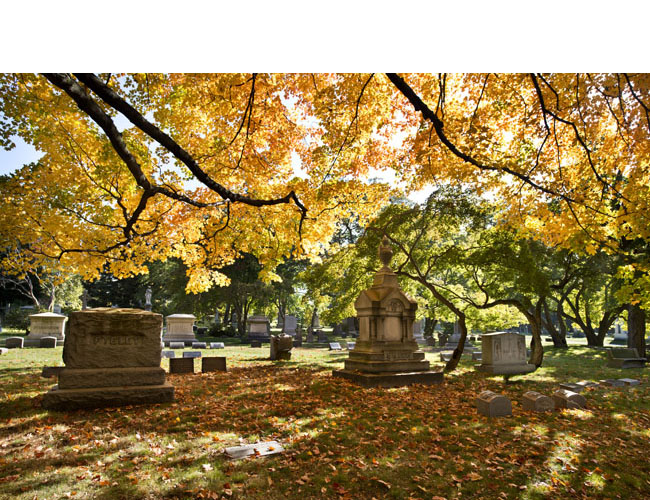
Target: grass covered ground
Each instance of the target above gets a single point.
(341, 441)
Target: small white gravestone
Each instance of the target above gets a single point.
(180, 328)
(534, 401)
(199, 345)
(490, 404)
(46, 325)
(335, 346)
(290, 325)
(630, 381)
(217, 345)
(504, 353)
(191, 354)
(568, 399)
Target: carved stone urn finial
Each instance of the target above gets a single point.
(385, 251)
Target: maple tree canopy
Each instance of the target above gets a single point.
(206, 167)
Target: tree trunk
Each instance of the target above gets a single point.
(547, 321)
(458, 352)
(636, 329)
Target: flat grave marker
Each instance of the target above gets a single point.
(257, 449)
(191, 354)
(168, 354)
(335, 346)
(177, 345)
(217, 345)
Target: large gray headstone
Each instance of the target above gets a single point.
(213, 364)
(14, 342)
(290, 325)
(534, 401)
(568, 399)
(491, 404)
(181, 365)
(47, 342)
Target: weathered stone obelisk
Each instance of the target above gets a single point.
(386, 355)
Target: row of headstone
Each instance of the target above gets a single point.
(208, 364)
(336, 346)
(610, 382)
(491, 404)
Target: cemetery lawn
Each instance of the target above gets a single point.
(341, 441)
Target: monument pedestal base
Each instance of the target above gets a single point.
(390, 379)
(99, 397)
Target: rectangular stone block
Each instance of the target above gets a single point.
(14, 342)
(351, 345)
(177, 345)
(491, 404)
(389, 380)
(71, 378)
(191, 354)
(217, 345)
(168, 354)
(68, 399)
(181, 365)
(113, 338)
(213, 364)
(612, 382)
(568, 399)
(199, 345)
(572, 387)
(630, 381)
(335, 346)
(534, 401)
(47, 342)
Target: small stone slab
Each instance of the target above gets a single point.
(213, 364)
(612, 382)
(630, 381)
(389, 380)
(445, 356)
(217, 345)
(177, 345)
(256, 343)
(534, 401)
(335, 346)
(51, 371)
(47, 342)
(191, 354)
(15, 342)
(491, 404)
(168, 354)
(351, 345)
(477, 356)
(572, 387)
(199, 345)
(257, 449)
(568, 399)
(181, 365)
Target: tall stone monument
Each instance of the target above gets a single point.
(180, 328)
(259, 328)
(385, 354)
(112, 358)
(46, 324)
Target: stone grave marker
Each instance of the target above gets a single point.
(477, 356)
(213, 364)
(259, 328)
(217, 345)
(385, 354)
(630, 381)
(290, 325)
(568, 399)
(168, 354)
(281, 346)
(430, 341)
(191, 354)
(47, 342)
(335, 346)
(310, 335)
(569, 386)
(177, 345)
(180, 328)
(534, 401)
(446, 356)
(322, 338)
(612, 382)
(351, 345)
(418, 331)
(199, 345)
(51, 371)
(112, 358)
(257, 449)
(46, 324)
(181, 365)
(14, 342)
(3, 350)
(337, 330)
(256, 343)
(297, 341)
(490, 404)
(504, 353)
